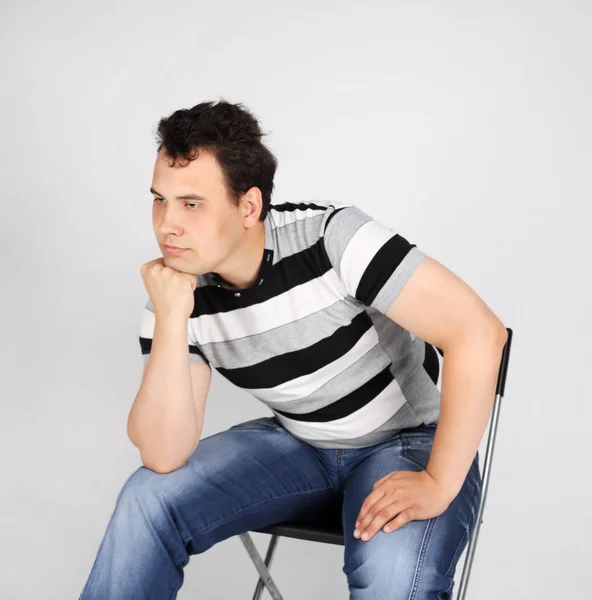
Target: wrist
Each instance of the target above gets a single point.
(171, 321)
(448, 492)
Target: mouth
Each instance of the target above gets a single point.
(173, 249)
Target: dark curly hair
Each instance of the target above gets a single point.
(233, 135)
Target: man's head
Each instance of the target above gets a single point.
(213, 152)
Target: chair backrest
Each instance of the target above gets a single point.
(499, 392)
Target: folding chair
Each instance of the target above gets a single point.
(331, 532)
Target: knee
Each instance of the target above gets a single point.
(375, 574)
(146, 495)
(395, 565)
(146, 516)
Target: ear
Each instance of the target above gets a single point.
(251, 205)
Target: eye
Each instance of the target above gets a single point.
(187, 204)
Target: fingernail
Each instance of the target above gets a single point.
(365, 536)
(356, 533)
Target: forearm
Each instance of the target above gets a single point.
(163, 422)
(469, 378)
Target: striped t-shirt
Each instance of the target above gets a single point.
(310, 338)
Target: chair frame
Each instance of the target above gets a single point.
(329, 535)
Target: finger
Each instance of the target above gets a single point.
(381, 480)
(385, 501)
(391, 493)
(392, 476)
(384, 516)
(156, 261)
(371, 499)
(401, 519)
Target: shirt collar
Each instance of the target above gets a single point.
(266, 263)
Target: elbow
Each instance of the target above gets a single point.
(165, 465)
(491, 331)
(493, 337)
(500, 333)
(162, 467)
(490, 334)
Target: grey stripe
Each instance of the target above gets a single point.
(392, 288)
(286, 338)
(340, 231)
(295, 237)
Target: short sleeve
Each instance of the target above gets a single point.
(147, 325)
(372, 261)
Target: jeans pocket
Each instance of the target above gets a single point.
(417, 450)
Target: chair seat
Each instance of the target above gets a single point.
(327, 533)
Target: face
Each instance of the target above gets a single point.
(211, 228)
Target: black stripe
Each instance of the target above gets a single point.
(348, 404)
(292, 206)
(146, 347)
(292, 271)
(331, 216)
(431, 363)
(381, 267)
(276, 370)
(196, 350)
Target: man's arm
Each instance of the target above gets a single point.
(443, 310)
(164, 422)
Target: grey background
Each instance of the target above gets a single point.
(465, 125)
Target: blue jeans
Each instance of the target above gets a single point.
(257, 474)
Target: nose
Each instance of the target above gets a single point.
(168, 223)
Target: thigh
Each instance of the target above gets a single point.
(418, 560)
(252, 475)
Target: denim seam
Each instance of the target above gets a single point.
(456, 554)
(340, 474)
(424, 548)
(473, 494)
(255, 426)
(448, 590)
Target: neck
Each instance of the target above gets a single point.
(243, 272)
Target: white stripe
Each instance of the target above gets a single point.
(359, 423)
(360, 250)
(148, 323)
(299, 302)
(301, 387)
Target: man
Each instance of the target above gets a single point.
(328, 317)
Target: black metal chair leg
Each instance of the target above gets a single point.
(262, 566)
(269, 555)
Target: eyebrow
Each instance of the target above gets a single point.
(183, 197)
